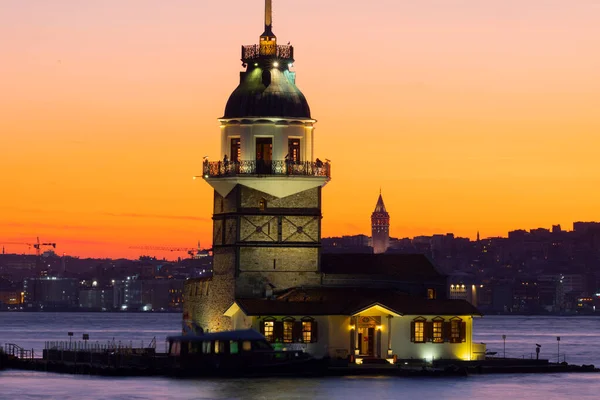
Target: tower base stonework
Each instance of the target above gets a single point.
(206, 299)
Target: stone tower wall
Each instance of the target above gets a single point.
(261, 244)
(206, 299)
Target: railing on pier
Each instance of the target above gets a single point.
(16, 351)
(109, 346)
(255, 51)
(558, 358)
(219, 169)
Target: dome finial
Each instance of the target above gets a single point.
(268, 19)
(268, 13)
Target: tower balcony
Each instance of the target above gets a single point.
(259, 168)
(254, 52)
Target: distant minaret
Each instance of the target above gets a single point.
(380, 227)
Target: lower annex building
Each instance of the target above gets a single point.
(268, 270)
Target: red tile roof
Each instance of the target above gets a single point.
(407, 267)
(349, 301)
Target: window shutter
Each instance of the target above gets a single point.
(297, 332)
(262, 327)
(463, 332)
(428, 331)
(447, 331)
(315, 332)
(412, 331)
(278, 331)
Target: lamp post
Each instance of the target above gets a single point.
(504, 339)
(558, 349)
(70, 337)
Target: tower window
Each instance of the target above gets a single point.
(236, 150)
(294, 150)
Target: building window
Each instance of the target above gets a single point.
(455, 330)
(247, 345)
(236, 154)
(269, 328)
(438, 326)
(206, 347)
(288, 331)
(431, 294)
(419, 331)
(307, 331)
(233, 347)
(294, 150)
(262, 204)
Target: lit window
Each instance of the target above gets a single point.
(431, 294)
(269, 327)
(420, 331)
(233, 347)
(437, 332)
(219, 346)
(294, 150)
(247, 345)
(306, 331)
(236, 150)
(206, 347)
(288, 329)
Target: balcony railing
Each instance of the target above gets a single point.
(222, 169)
(254, 51)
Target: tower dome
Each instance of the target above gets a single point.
(267, 91)
(267, 87)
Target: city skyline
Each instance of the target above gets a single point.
(484, 121)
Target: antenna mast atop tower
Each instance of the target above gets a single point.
(268, 14)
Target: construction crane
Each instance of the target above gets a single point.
(190, 250)
(37, 245)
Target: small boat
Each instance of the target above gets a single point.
(237, 353)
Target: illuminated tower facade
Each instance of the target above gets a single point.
(380, 227)
(267, 188)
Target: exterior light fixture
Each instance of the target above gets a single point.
(290, 65)
(378, 327)
(276, 64)
(256, 64)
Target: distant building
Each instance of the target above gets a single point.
(50, 292)
(162, 294)
(347, 244)
(10, 296)
(462, 287)
(100, 299)
(380, 227)
(127, 294)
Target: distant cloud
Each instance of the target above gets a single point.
(157, 216)
(41, 225)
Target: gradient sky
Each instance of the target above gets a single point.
(470, 115)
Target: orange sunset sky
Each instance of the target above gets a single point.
(470, 115)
